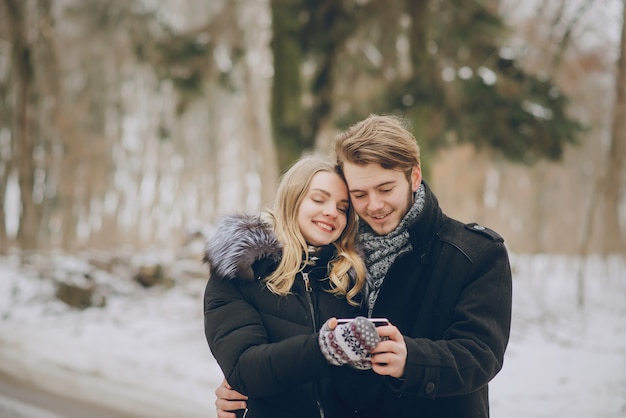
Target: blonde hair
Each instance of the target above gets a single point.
(383, 140)
(294, 186)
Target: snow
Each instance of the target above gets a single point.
(565, 360)
(144, 353)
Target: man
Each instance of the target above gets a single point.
(444, 286)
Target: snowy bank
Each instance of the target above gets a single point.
(144, 353)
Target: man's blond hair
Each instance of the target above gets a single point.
(378, 139)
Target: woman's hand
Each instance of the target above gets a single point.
(228, 399)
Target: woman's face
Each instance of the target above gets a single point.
(322, 214)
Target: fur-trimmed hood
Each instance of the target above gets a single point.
(239, 241)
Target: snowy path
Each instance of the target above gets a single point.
(22, 400)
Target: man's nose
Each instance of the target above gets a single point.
(375, 203)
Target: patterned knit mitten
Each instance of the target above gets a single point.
(350, 343)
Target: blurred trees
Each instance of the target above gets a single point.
(122, 126)
(445, 65)
(551, 206)
(122, 122)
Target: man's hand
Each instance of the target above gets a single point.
(389, 356)
(228, 399)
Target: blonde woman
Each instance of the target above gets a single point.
(274, 282)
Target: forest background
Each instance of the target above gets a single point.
(128, 127)
(130, 124)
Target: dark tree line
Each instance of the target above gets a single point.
(446, 65)
(442, 63)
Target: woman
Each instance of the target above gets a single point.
(274, 284)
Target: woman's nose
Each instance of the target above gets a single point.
(330, 210)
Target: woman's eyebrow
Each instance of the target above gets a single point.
(321, 191)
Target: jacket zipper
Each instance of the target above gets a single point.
(309, 290)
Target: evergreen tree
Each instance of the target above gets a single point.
(443, 64)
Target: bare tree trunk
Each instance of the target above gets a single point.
(264, 157)
(418, 10)
(6, 116)
(614, 187)
(287, 112)
(537, 207)
(608, 180)
(50, 109)
(24, 120)
(609, 183)
(564, 42)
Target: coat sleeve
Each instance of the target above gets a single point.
(238, 341)
(471, 350)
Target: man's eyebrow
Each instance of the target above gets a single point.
(386, 183)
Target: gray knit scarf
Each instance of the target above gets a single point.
(382, 250)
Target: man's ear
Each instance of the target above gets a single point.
(416, 178)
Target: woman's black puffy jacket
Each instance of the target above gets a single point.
(266, 344)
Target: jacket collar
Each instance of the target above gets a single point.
(428, 222)
(241, 247)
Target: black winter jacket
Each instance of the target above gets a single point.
(451, 299)
(266, 344)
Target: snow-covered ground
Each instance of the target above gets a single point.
(564, 360)
(145, 352)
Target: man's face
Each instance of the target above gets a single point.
(381, 197)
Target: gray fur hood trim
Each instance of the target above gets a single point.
(238, 242)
